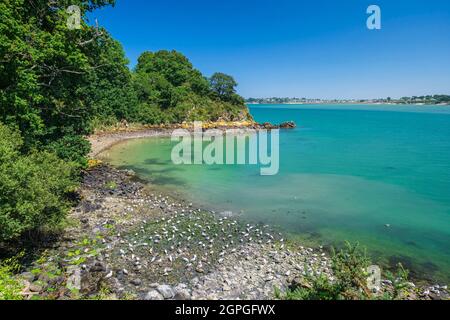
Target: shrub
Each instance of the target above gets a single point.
(10, 286)
(317, 288)
(33, 187)
(349, 267)
(71, 147)
(400, 282)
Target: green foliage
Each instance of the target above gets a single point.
(349, 267)
(33, 187)
(10, 285)
(170, 90)
(54, 80)
(317, 288)
(400, 282)
(73, 147)
(223, 86)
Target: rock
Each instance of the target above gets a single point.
(182, 292)
(136, 282)
(199, 270)
(301, 283)
(288, 125)
(43, 277)
(98, 267)
(74, 280)
(268, 126)
(28, 276)
(435, 296)
(56, 280)
(153, 295)
(114, 285)
(166, 291)
(34, 287)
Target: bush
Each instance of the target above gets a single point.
(349, 267)
(400, 282)
(33, 187)
(317, 288)
(10, 286)
(72, 148)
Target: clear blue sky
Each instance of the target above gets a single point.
(314, 48)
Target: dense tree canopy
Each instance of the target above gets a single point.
(33, 187)
(223, 85)
(172, 90)
(54, 80)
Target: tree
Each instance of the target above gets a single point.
(171, 90)
(223, 86)
(55, 80)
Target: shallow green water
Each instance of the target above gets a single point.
(344, 175)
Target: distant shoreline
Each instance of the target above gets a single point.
(352, 103)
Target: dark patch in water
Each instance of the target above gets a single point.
(159, 180)
(169, 169)
(159, 162)
(429, 266)
(163, 180)
(405, 261)
(412, 244)
(423, 271)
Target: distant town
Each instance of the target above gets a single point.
(414, 100)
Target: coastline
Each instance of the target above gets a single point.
(103, 140)
(353, 103)
(129, 240)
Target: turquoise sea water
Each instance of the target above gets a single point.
(345, 173)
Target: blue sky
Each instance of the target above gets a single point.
(314, 48)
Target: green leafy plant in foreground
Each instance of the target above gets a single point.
(400, 282)
(349, 267)
(10, 286)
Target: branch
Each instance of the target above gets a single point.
(97, 34)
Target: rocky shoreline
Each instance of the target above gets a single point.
(128, 241)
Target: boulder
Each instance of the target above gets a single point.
(166, 291)
(288, 125)
(153, 295)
